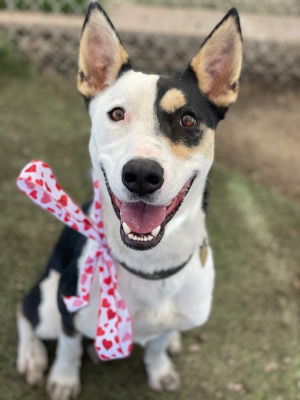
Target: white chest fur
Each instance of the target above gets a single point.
(180, 302)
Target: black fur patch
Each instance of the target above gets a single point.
(87, 101)
(206, 194)
(64, 260)
(31, 302)
(196, 105)
(72, 244)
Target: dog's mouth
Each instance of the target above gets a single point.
(142, 225)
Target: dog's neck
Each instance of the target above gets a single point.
(183, 234)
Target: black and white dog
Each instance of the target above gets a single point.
(151, 146)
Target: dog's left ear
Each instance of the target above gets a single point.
(101, 53)
(218, 63)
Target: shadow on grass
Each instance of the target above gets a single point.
(249, 348)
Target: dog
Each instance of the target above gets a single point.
(151, 147)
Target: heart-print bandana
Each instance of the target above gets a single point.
(113, 337)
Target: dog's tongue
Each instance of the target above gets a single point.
(141, 217)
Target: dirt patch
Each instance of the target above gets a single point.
(260, 137)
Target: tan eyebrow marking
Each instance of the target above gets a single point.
(172, 100)
(206, 147)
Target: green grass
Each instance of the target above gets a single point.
(254, 325)
(48, 5)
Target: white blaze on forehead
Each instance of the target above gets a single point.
(136, 93)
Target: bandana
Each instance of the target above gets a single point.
(113, 336)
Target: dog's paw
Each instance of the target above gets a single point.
(166, 381)
(175, 345)
(63, 385)
(32, 361)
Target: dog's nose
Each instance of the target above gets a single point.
(142, 176)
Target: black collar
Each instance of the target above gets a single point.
(157, 275)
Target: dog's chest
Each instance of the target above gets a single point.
(153, 305)
(177, 303)
(151, 311)
(180, 302)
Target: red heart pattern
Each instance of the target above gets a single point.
(63, 200)
(107, 343)
(105, 303)
(39, 182)
(110, 314)
(31, 167)
(46, 198)
(33, 194)
(113, 336)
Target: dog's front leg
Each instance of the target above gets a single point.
(64, 380)
(160, 369)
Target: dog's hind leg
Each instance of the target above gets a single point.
(32, 357)
(175, 345)
(64, 380)
(160, 369)
(37, 318)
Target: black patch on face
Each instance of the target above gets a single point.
(196, 105)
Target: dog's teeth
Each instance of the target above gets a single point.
(155, 231)
(142, 238)
(170, 202)
(126, 228)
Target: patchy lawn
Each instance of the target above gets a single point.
(250, 347)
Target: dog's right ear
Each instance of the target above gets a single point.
(218, 63)
(101, 53)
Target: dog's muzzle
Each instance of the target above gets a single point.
(142, 224)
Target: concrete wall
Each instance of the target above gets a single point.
(161, 39)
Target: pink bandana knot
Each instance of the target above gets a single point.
(113, 337)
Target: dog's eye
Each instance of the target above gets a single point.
(117, 114)
(188, 121)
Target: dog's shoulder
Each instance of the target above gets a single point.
(63, 262)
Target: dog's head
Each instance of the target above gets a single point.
(152, 137)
